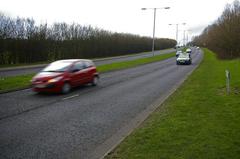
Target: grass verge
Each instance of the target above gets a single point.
(198, 121)
(14, 83)
(133, 63)
(18, 82)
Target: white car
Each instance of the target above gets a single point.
(184, 58)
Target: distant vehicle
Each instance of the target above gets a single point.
(198, 48)
(184, 58)
(189, 51)
(178, 53)
(62, 75)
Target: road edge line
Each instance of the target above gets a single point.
(15, 90)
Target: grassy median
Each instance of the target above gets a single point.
(133, 63)
(198, 121)
(23, 81)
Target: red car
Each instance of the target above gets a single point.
(62, 75)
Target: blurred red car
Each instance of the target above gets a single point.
(62, 75)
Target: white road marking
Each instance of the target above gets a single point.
(70, 97)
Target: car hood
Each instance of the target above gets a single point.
(183, 58)
(46, 75)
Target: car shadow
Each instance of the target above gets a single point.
(78, 89)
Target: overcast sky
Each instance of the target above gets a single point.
(122, 15)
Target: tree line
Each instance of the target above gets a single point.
(23, 41)
(223, 36)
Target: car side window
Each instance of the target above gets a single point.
(78, 66)
(87, 64)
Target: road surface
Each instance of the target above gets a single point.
(27, 70)
(75, 125)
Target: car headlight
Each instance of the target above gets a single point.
(55, 79)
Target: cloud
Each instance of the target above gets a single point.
(197, 29)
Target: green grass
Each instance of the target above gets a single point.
(16, 82)
(198, 121)
(133, 63)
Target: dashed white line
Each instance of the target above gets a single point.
(70, 97)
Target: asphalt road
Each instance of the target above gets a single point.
(35, 69)
(75, 125)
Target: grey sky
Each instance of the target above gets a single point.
(122, 15)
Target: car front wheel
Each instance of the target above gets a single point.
(66, 88)
(95, 81)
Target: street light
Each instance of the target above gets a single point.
(154, 22)
(185, 37)
(177, 30)
(184, 31)
(187, 33)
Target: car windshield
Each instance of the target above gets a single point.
(58, 66)
(183, 56)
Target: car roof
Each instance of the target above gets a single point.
(74, 60)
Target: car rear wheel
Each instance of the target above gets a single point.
(95, 81)
(66, 88)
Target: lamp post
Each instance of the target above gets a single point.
(177, 30)
(154, 22)
(184, 31)
(187, 34)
